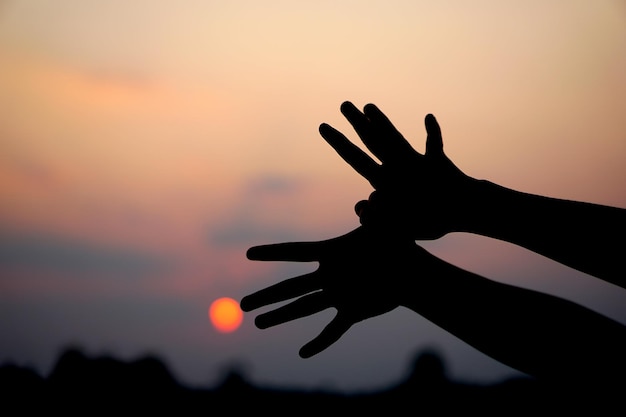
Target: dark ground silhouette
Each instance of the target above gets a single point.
(79, 384)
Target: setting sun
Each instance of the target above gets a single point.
(225, 314)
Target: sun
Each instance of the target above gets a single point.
(225, 315)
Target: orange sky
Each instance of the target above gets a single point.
(187, 130)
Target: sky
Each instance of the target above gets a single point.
(145, 145)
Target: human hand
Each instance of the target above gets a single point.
(361, 274)
(424, 196)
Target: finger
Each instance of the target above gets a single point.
(434, 141)
(290, 251)
(349, 152)
(290, 288)
(302, 307)
(361, 125)
(360, 207)
(382, 137)
(366, 131)
(331, 333)
(356, 117)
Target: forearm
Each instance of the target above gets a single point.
(538, 334)
(587, 237)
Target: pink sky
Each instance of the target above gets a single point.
(166, 138)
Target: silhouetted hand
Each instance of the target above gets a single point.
(366, 273)
(362, 274)
(425, 196)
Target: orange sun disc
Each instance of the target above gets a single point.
(225, 314)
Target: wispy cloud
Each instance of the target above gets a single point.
(245, 232)
(49, 253)
(273, 184)
(268, 206)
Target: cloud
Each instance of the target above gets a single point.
(27, 170)
(245, 232)
(273, 184)
(46, 252)
(268, 211)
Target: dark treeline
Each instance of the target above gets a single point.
(82, 385)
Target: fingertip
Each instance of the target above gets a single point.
(432, 126)
(360, 206)
(253, 253)
(260, 323)
(369, 108)
(256, 253)
(431, 122)
(328, 133)
(434, 142)
(244, 304)
(347, 106)
(306, 352)
(324, 127)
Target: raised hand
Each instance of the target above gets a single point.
(424, 196)
(361, 274)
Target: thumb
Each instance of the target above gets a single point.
(434, 142)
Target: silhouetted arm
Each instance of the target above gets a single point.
(587, 237)
(427, 196)
(541, 335)
(364, 274)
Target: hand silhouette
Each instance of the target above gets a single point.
(362, 274)
(366, 273)
(424, 196)
(427, 196)
(378, 266)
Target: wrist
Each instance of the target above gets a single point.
(498, 212)
(465, 211)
